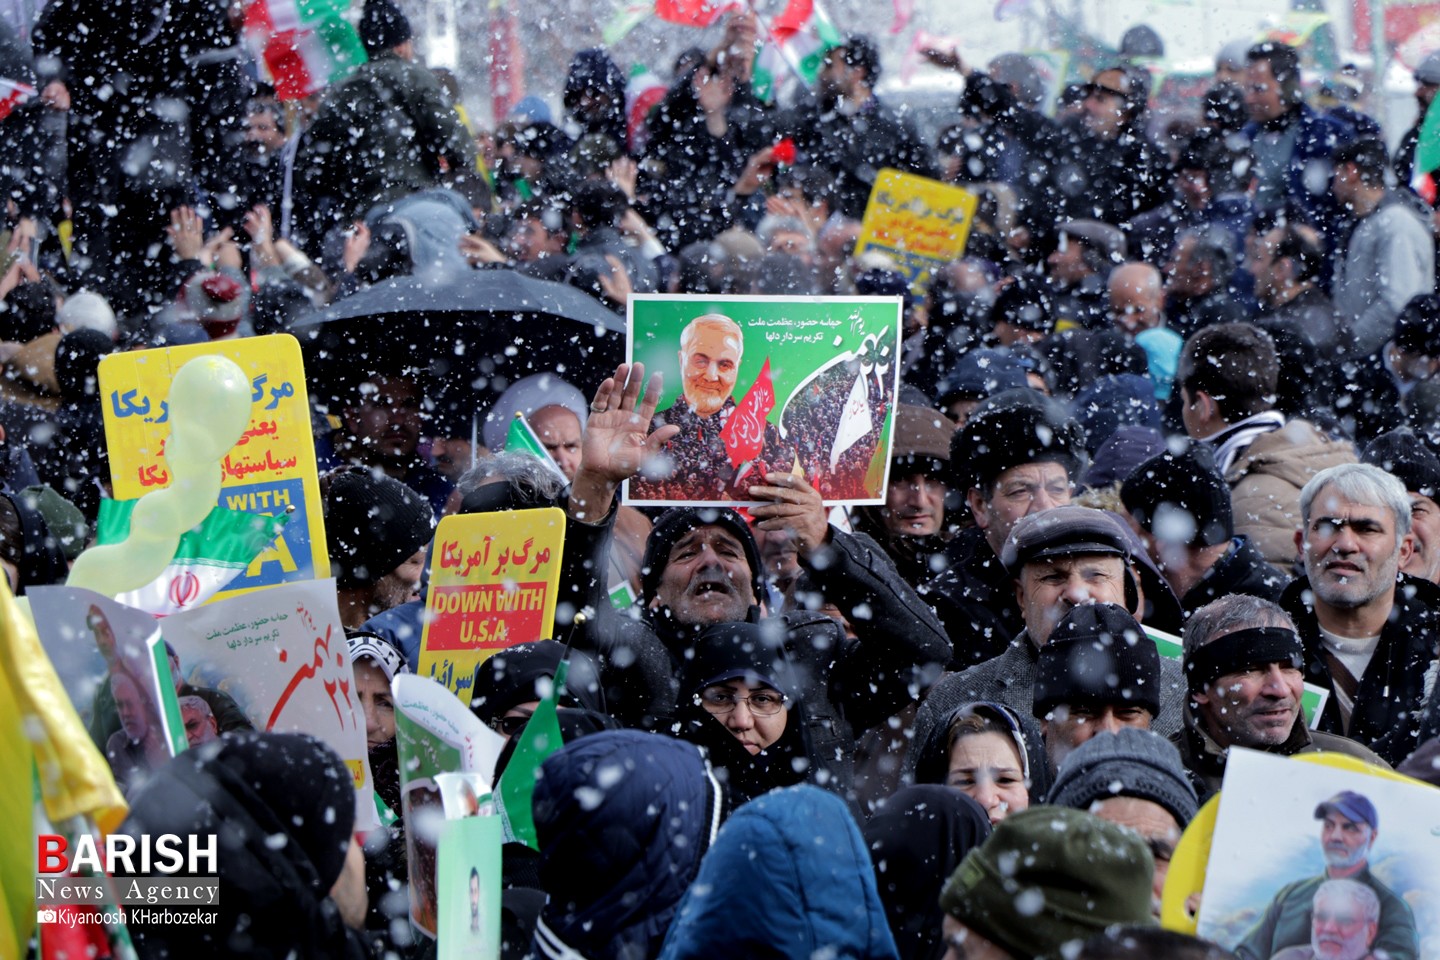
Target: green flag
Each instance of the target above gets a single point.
(539, 739)
(1427, 150)
(522, 438)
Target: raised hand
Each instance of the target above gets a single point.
(617, 440)
(187, 233)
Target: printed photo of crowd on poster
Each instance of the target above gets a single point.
(761, 385)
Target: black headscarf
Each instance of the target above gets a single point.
(728, 651)
(514, 676)
(932, 755)
(916, 841)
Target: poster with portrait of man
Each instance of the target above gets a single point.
(799, 385)
(1315, 862)
(112, 662)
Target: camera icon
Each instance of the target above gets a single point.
(47, 916)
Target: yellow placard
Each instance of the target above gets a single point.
(921, 223)
(270, 469)
(1185, 882)
(494, 580)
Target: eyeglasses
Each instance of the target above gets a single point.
(1096, 90)
(720, 701)
(510, 726)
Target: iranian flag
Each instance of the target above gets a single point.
(306, 45)
(795, 43)
(206, 560)
(12, 94)
(642, 92)
(1427, 155)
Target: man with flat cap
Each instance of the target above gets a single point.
(1350, 825)
(1179, 504)
(1244, 670)
(1018, 454)
(1057, 560)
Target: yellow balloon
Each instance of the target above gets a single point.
(209, 406)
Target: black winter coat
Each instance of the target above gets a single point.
(1243, 569)
(856, 147)
(1389, 704)
(846, 684)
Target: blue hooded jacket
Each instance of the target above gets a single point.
(623, 819)
(789, 877)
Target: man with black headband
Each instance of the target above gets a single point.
(1243, 666)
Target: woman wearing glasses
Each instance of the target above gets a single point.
(735, 702)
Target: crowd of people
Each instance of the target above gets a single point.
(1180, 393)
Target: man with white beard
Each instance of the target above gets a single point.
(1345, 922)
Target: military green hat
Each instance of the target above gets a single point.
(1050, 876)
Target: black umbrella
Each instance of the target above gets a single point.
(465, 335)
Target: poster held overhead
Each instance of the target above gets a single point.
(804, 386)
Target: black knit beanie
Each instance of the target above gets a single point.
(383, 27)
(678, 521)
(374, 523)
(1181, 497)
(1098, 654)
